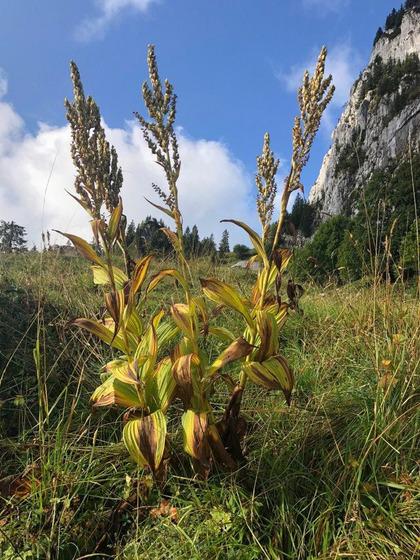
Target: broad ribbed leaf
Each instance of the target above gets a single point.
(148, 344)
(114, 222)
(220, 292)
(273, 374)
(83, 248)
(185, 319)
(161, 208)
(163, 274)
(113, 391)
(222, 333)
(101, 276)
(183, 375)
(235, 351)
(165, 331)
(101, 331)
(268, 334)
(149, 349)
(145, 439)
(161, 388)
(139, 275)
(255, 239)
(127, 372)
(115, 303)
(194, 427)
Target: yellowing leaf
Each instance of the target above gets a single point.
(139, 275)
(115, 303)
(235, 351)
(273, 374)
(134, 324)
(255, 239)
(113, 391)
(101, 276)
(185, 319)
(268, 334)
(127, 372)
(99, 330)
(220, 292)
(145, 439)
(164, 273)
(83, 248)
(114, 222)
(194, 427)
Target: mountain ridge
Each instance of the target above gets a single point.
(380, 121)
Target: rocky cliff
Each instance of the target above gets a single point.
(382, 115)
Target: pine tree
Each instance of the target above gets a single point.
(224, 244)
(12, 237)
(378, 35)
(131, 233)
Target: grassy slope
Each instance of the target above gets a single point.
(336, 475)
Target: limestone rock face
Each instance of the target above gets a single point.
(371, 131)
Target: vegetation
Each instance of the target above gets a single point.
(145, 377)
(393, 77)
(333, 475)
(12, 237)
(394, 20)
(381, 235)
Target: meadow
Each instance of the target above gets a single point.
(335, 475)
(180, 408)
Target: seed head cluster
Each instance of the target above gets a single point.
(159, 133)
(99, 178)
(265, 180)
(313, 97)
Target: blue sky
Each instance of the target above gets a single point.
(235, 65)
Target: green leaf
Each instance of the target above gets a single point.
(145, 438)
(161, 388)
(222, 333)
(161, 208)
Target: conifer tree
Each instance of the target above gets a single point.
(224, 244)
(12, 237)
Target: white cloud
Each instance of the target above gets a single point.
(36, 169)
(343, 62)
(325, 6)
(108, 10)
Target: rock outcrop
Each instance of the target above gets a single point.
(381, 119)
